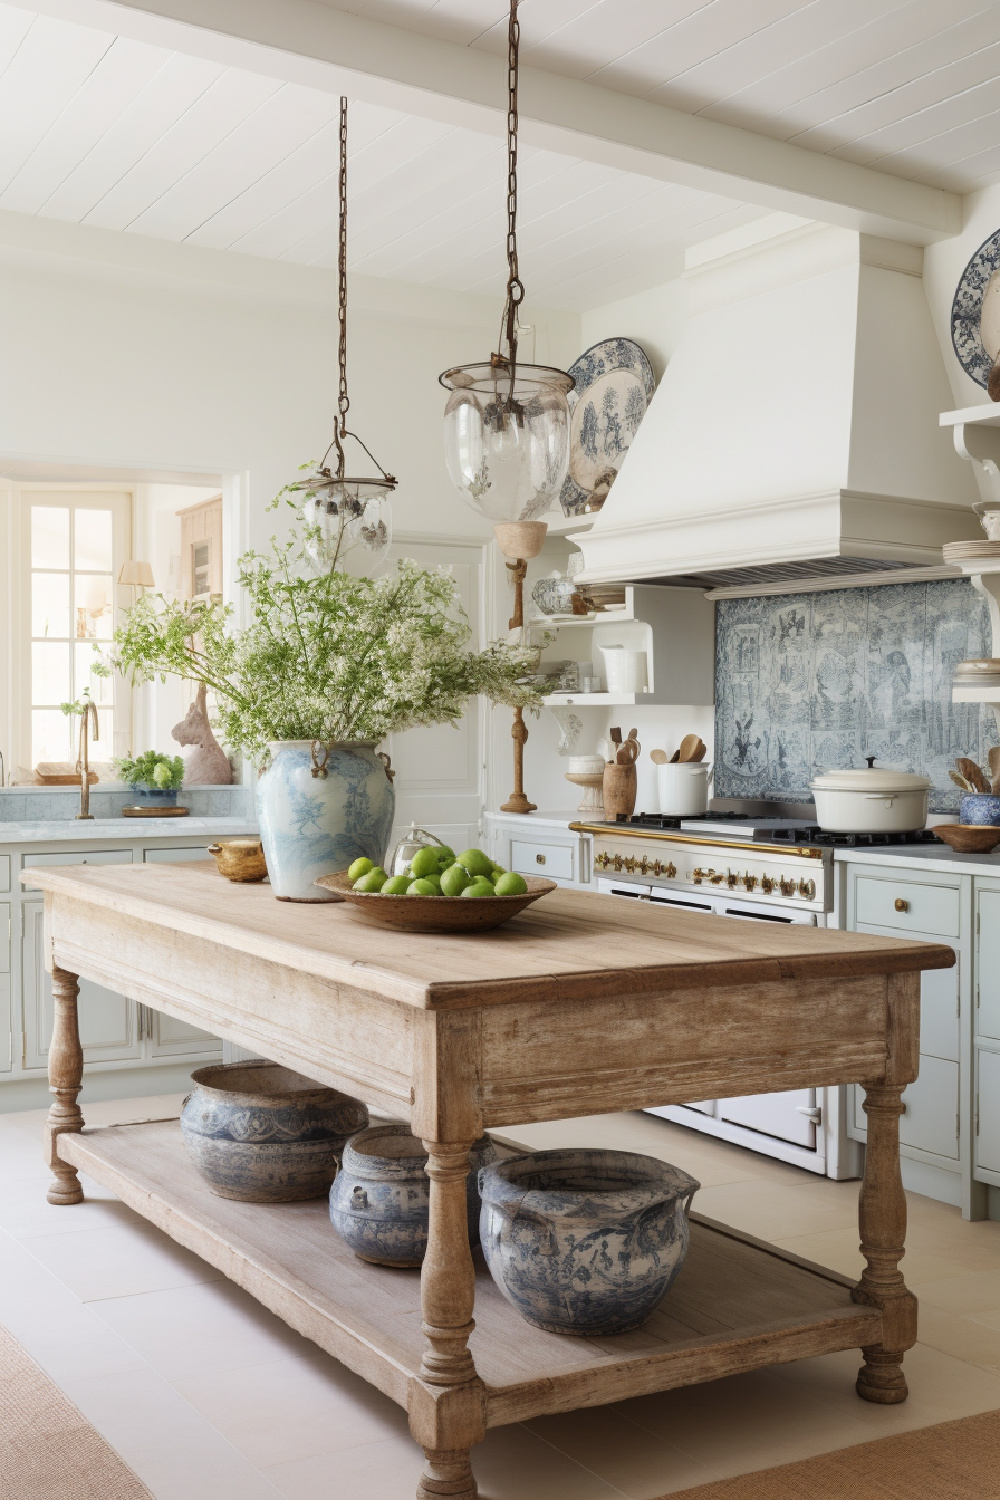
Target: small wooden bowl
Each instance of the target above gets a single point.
(437, 913)
(240, 860)
(967, 838)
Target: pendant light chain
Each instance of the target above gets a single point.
(515, 287)
(343, 400)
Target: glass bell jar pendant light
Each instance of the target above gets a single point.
(347, 522)
(506, 428)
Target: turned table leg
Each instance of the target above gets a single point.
(882, 1222)
(447, 1296)
(65, 1080)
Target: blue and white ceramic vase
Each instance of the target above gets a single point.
(980, 810)
(320, 807)
(260, 1133)
(380, 1204)
(585, 1242)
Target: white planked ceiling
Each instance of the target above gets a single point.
(106, 131)
(909, 86)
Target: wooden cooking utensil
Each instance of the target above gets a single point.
(961, 781)
(689, 746)
(701, 751)
(616, 736)
(995, 768)
(675, 758)
(972, 773)
(628, 752)
(659, 757)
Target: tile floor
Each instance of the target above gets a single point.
(209, 1397)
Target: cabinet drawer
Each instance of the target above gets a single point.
(931, 1117)
(85, 857)
(555, 861)
(931, 910)
(4, 872)
(988, 1103)
(988, 965)
(175, 856)
(4, 937)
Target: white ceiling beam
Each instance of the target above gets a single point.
(312, 43)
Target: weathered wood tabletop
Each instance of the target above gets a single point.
(581, 1005)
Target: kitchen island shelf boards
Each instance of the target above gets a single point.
(736, 1298)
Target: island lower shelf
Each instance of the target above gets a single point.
(738, 1304)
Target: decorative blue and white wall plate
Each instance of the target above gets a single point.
(978, 293)
(614, 386)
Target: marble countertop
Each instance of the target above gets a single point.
(130, 830)
(925, 857)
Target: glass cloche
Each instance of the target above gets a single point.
(415, 838)
(507, 445)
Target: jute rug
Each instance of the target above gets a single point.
(952, 1461)
(48, 1450)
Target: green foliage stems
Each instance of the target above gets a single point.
(328, 657)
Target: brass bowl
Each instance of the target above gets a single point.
(240, 859)
(437, 913)
(968, 838)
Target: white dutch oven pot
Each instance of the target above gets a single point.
(871, 801)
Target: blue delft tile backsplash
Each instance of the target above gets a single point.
(808, 682)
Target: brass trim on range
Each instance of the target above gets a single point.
(611, 830)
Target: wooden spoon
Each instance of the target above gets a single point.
(972, 773)
(689, 747)
(995, 768)
(961, 781)
(675, 757)
(659, 757)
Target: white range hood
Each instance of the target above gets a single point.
(795, 432)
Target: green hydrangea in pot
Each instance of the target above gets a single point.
(155, 779)
(325, 669)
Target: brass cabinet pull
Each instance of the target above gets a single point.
(539, 859)
(902, 905)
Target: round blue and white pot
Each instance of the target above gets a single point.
(980, 810)
(380, 1203)
(320, 807)
(153, 796)
(585, 1242)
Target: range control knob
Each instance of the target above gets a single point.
(668, 870)
(618, 862)
(807, 888)
(602, 860)
(630, 865)
(786, 887)
(750, 882)
(732, 880)
(766, 884)
(698, 874)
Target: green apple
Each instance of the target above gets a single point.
(423, 887)
(397, 885)
(372, 883)
(360, 867)
(512, 884)
(475, 861)
(425, 862)
(480, 886)
(453, 880)
(433, 880)
(445, 854)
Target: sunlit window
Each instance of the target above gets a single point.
(72, 604)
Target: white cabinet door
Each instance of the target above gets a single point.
(6, 1016)
(930, 1122)
(108, 1028)
(779, 1115)
(988, 964)
(939, 1003)
(988, 1139)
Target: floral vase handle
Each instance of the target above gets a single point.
(386, 764)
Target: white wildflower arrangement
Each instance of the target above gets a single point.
(329, 657)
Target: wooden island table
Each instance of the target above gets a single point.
(581, 1005)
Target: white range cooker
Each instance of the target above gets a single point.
(762, 869)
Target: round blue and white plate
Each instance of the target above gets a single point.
(614, 386)
(975, 312)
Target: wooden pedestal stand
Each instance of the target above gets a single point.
(519, 541)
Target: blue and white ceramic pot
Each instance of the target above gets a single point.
(261, 1133)
(980, 810)
(320, 807)
(380, 1202)
(585, 1242)
(153, 796)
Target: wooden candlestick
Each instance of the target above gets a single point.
(519, 540)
